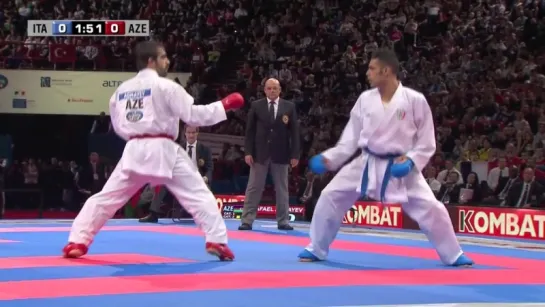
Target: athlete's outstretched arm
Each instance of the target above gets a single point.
(183, 105)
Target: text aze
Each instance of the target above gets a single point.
(136, 104)
(138, 29)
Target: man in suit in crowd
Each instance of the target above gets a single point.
(525, 193)
(201, 157)
(430, 172)
(449, 193)
(505, 184)
(92, 177)
(272, 143)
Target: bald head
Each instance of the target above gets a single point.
(272, 81)
(272, 89)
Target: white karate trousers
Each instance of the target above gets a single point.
(422, 206)
(157, 162)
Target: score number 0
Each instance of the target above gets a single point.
(114, 28)
(62, 28)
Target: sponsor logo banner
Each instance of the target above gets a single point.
(62, 92)
(231, 207)
(374, 214)
(488, 221)
(502, 222)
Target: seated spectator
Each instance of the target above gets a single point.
(31, 173)
(431, 174)
(505, 184)
(525, 193)
(497, 174)
(92, 176)
(450, 190)
(444, 175)
(471, 190)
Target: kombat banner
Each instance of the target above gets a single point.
(482, 221)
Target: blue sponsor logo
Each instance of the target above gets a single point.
(135, 95)
(134, 116)
(19, 103)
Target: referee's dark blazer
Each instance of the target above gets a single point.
(278, 139)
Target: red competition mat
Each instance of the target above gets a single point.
(135, 265)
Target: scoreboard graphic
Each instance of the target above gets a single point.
(89, 28)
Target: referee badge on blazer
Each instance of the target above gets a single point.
(200, 162)
(285, 119)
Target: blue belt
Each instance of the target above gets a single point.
(387, 175)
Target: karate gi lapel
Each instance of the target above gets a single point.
(391, 113)
(391, 109)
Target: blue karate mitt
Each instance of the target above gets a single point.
(402, 169)
(317, 165)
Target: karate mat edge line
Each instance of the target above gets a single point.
(261, 223)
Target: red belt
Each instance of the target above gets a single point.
(151, 136)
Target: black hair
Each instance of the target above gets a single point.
(187, 126)
(144, 51)
(388, 58)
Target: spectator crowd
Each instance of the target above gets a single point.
(481, 65)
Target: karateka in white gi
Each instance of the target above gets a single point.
(146, 111)
(393, 125)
